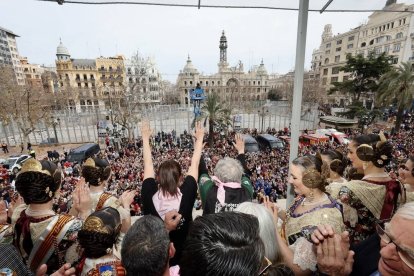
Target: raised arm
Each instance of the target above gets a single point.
(198, 147)
(239, 146)
(146, 133)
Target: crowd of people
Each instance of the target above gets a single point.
(130, 210)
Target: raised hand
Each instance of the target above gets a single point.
(146, 130)
(332, 258)
(127, 198)
(239, 143)
(199, 131)
(82, 201)
(273, 208)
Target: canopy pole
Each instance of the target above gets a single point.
(297, 88)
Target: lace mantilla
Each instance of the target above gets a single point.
(303, 254)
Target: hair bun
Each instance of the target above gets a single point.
(365, 152)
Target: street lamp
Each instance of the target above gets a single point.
(262, 113)
(55, 122)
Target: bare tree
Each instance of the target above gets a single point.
(24, 104)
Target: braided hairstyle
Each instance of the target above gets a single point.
(94, 174)
(99, 232)
(338, 161)
(316, 172)
(374, 148)
(39, 186)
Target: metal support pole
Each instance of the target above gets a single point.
(298, 86)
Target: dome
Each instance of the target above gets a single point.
(189, 67)
(262, 69)
(62, 50)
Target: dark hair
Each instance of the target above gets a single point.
(145, 247)
(39, 187)
(338, 161)
(318, 181)
(169, 173)
(226, 243)
(379, 153)
(95, 243)
(94, 175)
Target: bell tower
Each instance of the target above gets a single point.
(223, 48)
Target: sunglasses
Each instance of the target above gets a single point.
(406, 255)
(266, 263)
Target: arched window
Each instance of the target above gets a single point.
(326, 60)
(399, 35)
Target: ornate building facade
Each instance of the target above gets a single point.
(89, 84)
(384, 32)
(230, 83)
(143, 80)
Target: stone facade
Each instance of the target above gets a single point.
(389, 32)
(33, 73)
(90, 84)
(231, 83)
(143, 80)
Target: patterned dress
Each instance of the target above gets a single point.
(366, 202)
(299, 227)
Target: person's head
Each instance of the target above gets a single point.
(267, 229)
(307, 173)
(38, 181)
(369, 149)
(169, 177)
(397, 244)
(146, 247)
(335, 159)
(226, 243)
(228, 170)
(406, 171)
(100, 232)
(96, 171)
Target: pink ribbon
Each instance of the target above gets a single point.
(175, 270)
(221, 192)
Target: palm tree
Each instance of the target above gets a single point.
(396, 86)
(217, 114)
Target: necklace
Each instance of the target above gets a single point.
(324, 198)
(371, 175)
(39, 213)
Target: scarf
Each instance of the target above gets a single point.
(221, 192)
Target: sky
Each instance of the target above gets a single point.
(169, 34)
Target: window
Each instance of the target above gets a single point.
(324, 81)
(335, 70)
(338, 49)
(337, 58)
(371, 42)
(92, 77)
(85, 77)
(397, 47)
(394, 60)
(328, 45)
(378, 50)
(339, 42)
(334, 79)
(77, 77)
(327, 52)
(399, 35)
(350, 46)
(388, 37)
(325, 71)
(351, 38)
(386, 48)
(79, 84)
